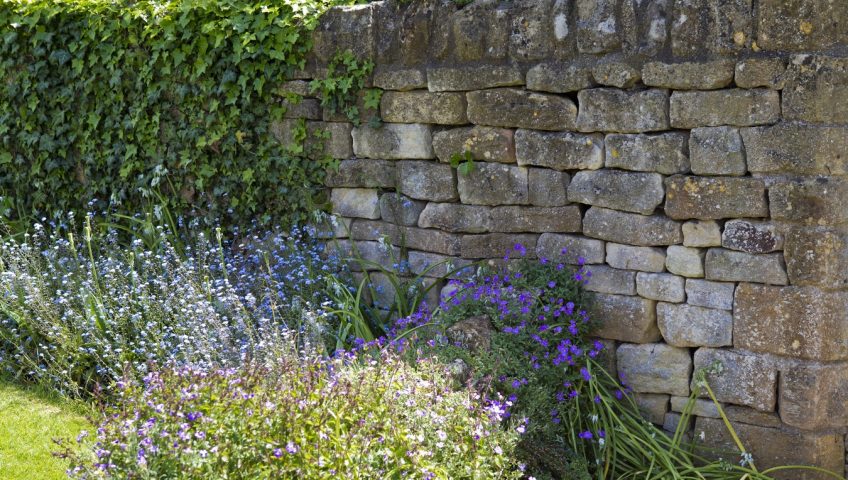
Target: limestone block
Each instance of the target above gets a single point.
(820, 201)
(479, 32)
(421, 106)
(611, 280)
(627, 319)
(374, 252)
(570, 248)
(799, 25)
(664, 153)
(400, 209)
(646, 259)
(701, 233)
(548, 187)
(816, 88)
(494, 184)
(689, 28)
(352, 26)
(760, 72)
(797, 148)
(685, 325)
(597, 30)
(751, 236)
(812, 396)
(734, 107)
(731, 266)
(356, 202)
(655, 368)
(484, 143)
(817, 256)
(424, 180)
(366, 173)
(560, 151)
(510, 107)
(558, 78)
(443, 79)
(709, 198)
(716, 151)
(652, 406)
(740, 378)
(661, 286)
(428, 240)
(538, 29)
(632, 192)
(435, 265)
(685, 261)
(700, 407)
(535, 219)
(752, 416)
(689, 75)
(631, 228)
(393, 141)
(613, 110)
(704, 293)
(672, 420)
(453, 217)
(496, 245)
(307, 108)
(402, 80)
(616, 74)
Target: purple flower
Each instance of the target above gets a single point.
(520, 249)
(587, 435)
(291, 447)
(551, 284)
(585, 373)
(278, 453)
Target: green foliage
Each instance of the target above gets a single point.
(462, 162)
(339, 90)
(117, 101)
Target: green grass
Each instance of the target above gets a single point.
(29, 421)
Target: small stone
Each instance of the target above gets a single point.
(685, 261)
(660, 286)
(421, 106)
(819, 201)
(627, 319)
(611, 280)
(734, 107)
(709, 198)
(510, 107)
(683, 325)
(616, 74)
(739, 378)
(496, 245)
(494, 184)
(612, 110)
(700, 407)
(366, 173)
(751, 236)
(646, 259)
(484, 143)
(652, 406)
(560, 151)
(732, 266)
(797, 148)
(424, 180)
(704, 293)
(452, 217)
(716, 151)
(817, 256)
(632, 192)
(664, 153)
(356, 202)
(570, 248)
(548, 187)
(655, 368)
(294, 87)
(761, 72)
(689, 75)
(464, 78)
(400, 80)
(393, 141)
(474, 333)
(631, 228)
(701, 233)
(558, 78)
(535, 219)
(400, 209)
(812, 396)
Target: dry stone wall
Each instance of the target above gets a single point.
(694, 153)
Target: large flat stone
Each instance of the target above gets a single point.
(701, 233)
(717, 151)
(801, 25)
(664, 153)
(570, 248)
(496, 245)
(611, 280)
(688, 326)
(820, 201)
(689, 75)
(393, 141)
(797, 148)
(704, 293)
(558, 78)
(597, 30)
(464, 78)
(613, 110)
(663, 287)
(760, 72)
(817, 256)
(453, 217)
(548, 188)
(421, 106)
(734, 107)
(732, 266)
(510, 107)
(423, 180)
(400, 209)
(494, 184)
(816, 89)
(709, 198)
(632, 192)
(356, 202)
(655, 368)
(631, 228)
(484, 143)
(685, 261)
(362, 173)
(738, 377)
(535, 219)
(812, 396)
(627, 319)
(751, 236)
(644, 259)
(560, 151)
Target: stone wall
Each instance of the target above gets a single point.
(693, 153)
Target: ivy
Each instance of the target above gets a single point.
(339, 90)
(117, 104)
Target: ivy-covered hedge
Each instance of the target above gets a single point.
(133, 103)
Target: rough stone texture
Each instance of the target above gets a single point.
(700, 408)
(660, 286)
(751, 416)
(797, 148)
(453, 217)
(336, 145)
(801, 322)
(352, 26)
(435, 265)
(558, 78)
(399, 209)
(535, 219)
(362, 173)
(704, 293)
(731, 266)
(652, 406)
(611, 280)
(496, 245)
(494, 184)
(689, 326)
(701, 233)
(424, 180)
(597, 30)
(760, 72)
(446, 108)
(716, 151)
(400, 79)
(631, 228)
(308, 108)
(685, 261)
(393, 141)
(664, 153)
(616, 74)
(612, 110)
(548, 188)
(812, 396)
(819, 201)
(510, 107)
(427, 240)
(817, 256)
(816, 89)
(751, 236)
(632, 192)
(627, 319)
(356, 202)
(475, 333)
(672, 420)
(735, 107)
(740, 378)
(646, 259)
(444, 79)
(655, 368)
(709, 198)
(689, 75)
(560, 151)
(570, 248)
(485, 143)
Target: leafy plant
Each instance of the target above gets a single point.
(462, 162)
(340, 88)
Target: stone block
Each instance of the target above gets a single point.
(400, 209)
(631, 228)
(452, 217)
(421, 106)
(428, 240)
(435, 265)
(560, 151)
(817, 256)
(443, 79)
(645, 26)
(655, 368)
(570, 248)
(739, 378)
(611, 280)
(356, 202)
(613, 110)
(689, 75)
(797, 148)
(374, 252)
(645, 259)
(334, 142)
(816, 89)
(732, 26)
(484, 143)
(558, 78)
(734, 107)
(494, 184)
(685, 325)
(812, 396)
(801, 322)
(820, 201)
(685, 261)
(752, 416)
(496, 245)
(294, 87)
(760, 72)
(352, 26)
(751, 236)
(661, 286)
(538, 29)
(716, 151)
(535, 219)
(627, 319)
(689, 28)
(597, 30)
(510, 107)
(700, 407)
(306, 108)
(374, 230)
(664, 153)
(632, 192)
(548, 187)
(402, 80)
(701, 233)
(731, 266)
(424, 180)
(799, 25)
(407, 35)
(672, 420)
(393, 141)
(704, 293)
(480, 31)
(616, 74)
(710, 198)
(365, 173)
(652, 406)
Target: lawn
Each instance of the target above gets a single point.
(29, 421)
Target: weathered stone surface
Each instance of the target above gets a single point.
(688, 75)
(700, 408)
(794, 321)
(294, 87)
(660, 286)
(474, 333)
(782, 447)
(689, 28)
(434, 241)
(735, 107)
(421, 106)
(628, 319)
(374, 230)
(535, 219)
(732, 266)
(480, 31)
(819, 201)
(337, 144)
(751, 236)
(400, 80)
(751, 416)
(646, 259)
(435, 265)
(495, 245)
(375, 252)
(817, 256)
(443, 79)
(816, 89)
(716, 151)
(709, 198)
(452, 217)
(801, 25)
(548, 187)
(812, 396)
(597, 31)
(684, 325)
(672, 420)
(611, 280)
(494, 184)
(685, 261)
(631, 228)
(612, 110)
(631, 192)
(356, 202)
(645, 26)
(307, 108)
(701, 233)
(797, 148)
(393, 141)
(510, 107)
(740, 378)
(404, 37)
(570, 248)
(664, 153)
(616, 74)
(704, 293)
(760, 72)
(560, 151)
(352, 26)
(400, 209)
(558, 78)
(424, 180)
(652, 406)
(362, 173)
(655, 368)
(484, 143)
